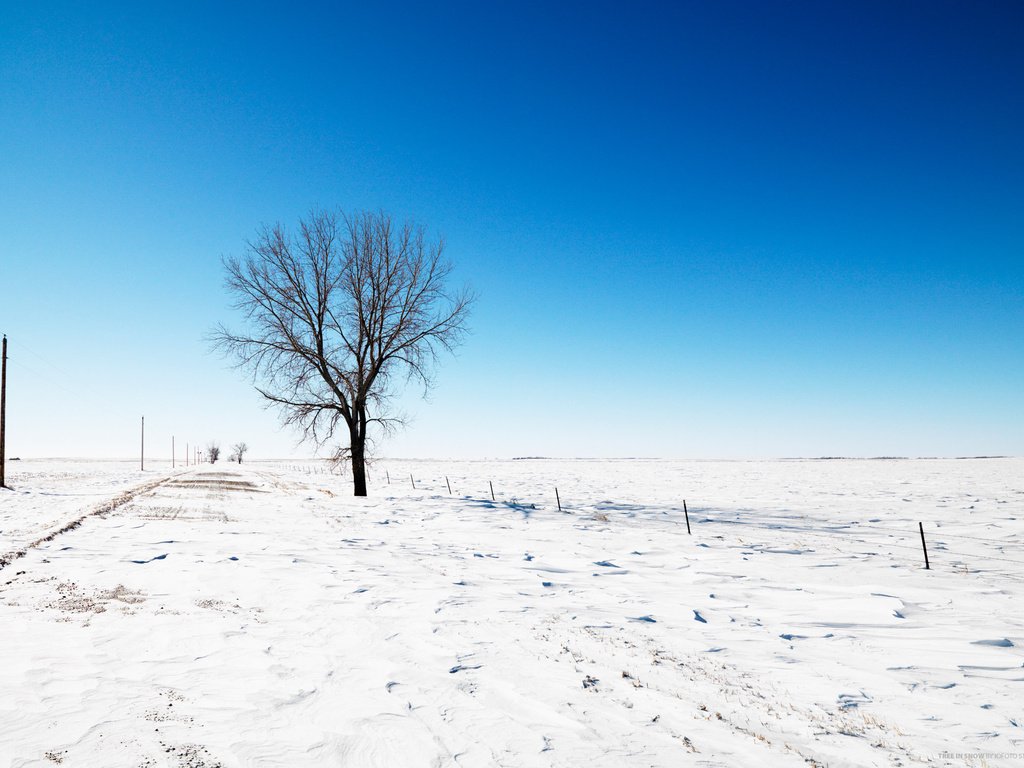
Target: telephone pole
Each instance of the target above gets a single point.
(3, 413)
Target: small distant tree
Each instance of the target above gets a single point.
(213, 450)
(338, 313)
(237, 452)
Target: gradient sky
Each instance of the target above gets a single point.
(697, 229)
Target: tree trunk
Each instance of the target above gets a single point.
(358, 451)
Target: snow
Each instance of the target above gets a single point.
(259, 615)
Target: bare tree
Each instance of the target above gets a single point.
(237, 452)
(213, 449)
(339, 313)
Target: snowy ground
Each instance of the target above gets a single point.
(261, 616)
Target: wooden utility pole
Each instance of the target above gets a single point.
(142, 451)
(3, 414)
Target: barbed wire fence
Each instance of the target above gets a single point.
(930, 546)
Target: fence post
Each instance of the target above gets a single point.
(558, 499)
(446, 482)
(413, 481)
(687, 513)
(492, 490)
(927, 565)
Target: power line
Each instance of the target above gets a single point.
(96, 400)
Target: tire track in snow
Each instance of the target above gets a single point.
(100, 509)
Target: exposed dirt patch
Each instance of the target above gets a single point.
(173, 709)
(72, 599)
(191, 756)
(182, 513)
(221, 606)
(215, 483)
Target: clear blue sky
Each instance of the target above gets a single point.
(697, 229)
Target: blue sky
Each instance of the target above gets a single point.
(696, 229)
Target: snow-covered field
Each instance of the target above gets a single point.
(261, 616)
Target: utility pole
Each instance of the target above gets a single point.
(142, 452)
(3, 413)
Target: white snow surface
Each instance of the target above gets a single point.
(259, 615)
